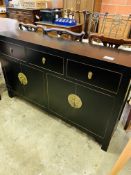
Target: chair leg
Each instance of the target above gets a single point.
(0, 97)
(128, 120)
(124, 157)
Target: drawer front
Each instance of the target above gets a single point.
(13, 50)
(46, 61)
(22, 16)
(95, 76)
(27, 19)
(22, 12)
(26, 12)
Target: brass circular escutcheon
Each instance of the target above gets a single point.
(90, 75)
(43, 60)
(22, 78)
(75, 101)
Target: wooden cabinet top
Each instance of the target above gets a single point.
(119, 57)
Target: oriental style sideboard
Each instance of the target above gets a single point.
(86, 86)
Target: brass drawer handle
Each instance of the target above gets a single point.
(22, 78)
(43, 60)
(75, 101)
(11, 50)
(90, 75)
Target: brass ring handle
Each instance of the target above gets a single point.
(90, 75)
(74, 101)
(22, 78)
(43, 60)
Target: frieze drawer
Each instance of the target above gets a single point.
(12, 50)
(45, 61)
(98, 77)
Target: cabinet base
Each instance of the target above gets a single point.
(11, 93)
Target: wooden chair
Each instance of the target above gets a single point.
(67, 13)
(63, 33)
(86, 15)
(108, 41)
(91, 22)
(113, 31)
(30, 27)
(55, 32)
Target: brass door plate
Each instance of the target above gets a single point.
(22, 78)
(75, 101)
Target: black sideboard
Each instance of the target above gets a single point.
(76, 82)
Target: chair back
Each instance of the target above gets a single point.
(30, 27)
(115, 26)
(67, 13)
(53, 32)
(113, 30)
(91, 22)
(64, 33)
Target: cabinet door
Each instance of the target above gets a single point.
(85, 107)
(95, 111)
(25, 81)
(35, 86)
(58, 91)
(11, 71)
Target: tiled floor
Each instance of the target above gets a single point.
(32, 142)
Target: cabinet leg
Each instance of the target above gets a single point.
(104, 147)
(105, 144)
(11, 93)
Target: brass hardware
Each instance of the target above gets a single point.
(90, 75)
(11, 50)
(74, 101)
(43, 60)
(22, 78)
